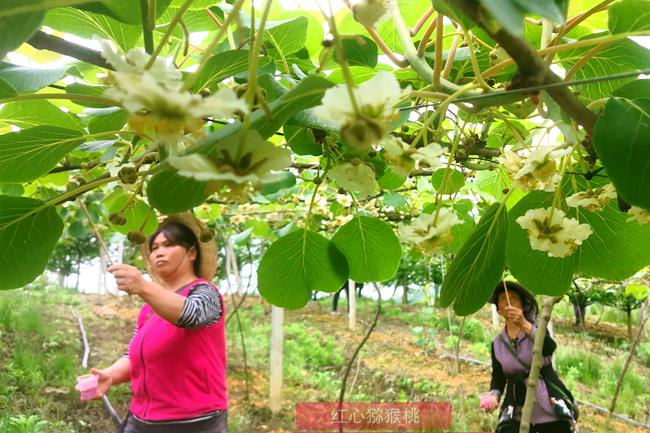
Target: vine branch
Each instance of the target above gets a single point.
(43, 41)
(531, 66)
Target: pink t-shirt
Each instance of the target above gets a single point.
(177, 373)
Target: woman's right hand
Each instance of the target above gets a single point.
(490, 403)
(104, 383)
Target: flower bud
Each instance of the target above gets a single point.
(128, 174)
(136, 237)
(117, 219)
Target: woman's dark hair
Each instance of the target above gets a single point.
(179, 234)
(527, 299)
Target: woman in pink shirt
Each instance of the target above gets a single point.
(176, 361)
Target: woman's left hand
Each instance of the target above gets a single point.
(128, 278)
(516, 316)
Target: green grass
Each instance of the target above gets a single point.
(35, 355)
(578, 365)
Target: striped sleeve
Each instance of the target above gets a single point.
(202, 308)
(126, 354)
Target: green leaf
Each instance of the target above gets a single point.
(284, 180)
(113, 121)
(638, 291)
(629, 16)
(242, 238)
(394, 199)
(26, 114)
(224, 65)
(301, 141)
(507, 13)
(460, 232)
(125, 11)
(493, 182)
(13, 189)
(622, 142)
(390, 179)
(297, 264)
(84, 89)
(359, 74)
(360, 51)
(16, 29)
(305, 95)
(372, 249)
(448, 9)
(169, 192)
(453, 184)
(634, 90)
(30, 153)
(29, 80)
(616, 249)
(618, 57)
(139, 216)
(6, 89)
(87, 25)
(544, 8)
(535, 270)
(28, 233)
(477, 268)
(289, 36)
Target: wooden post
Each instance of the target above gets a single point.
(277, 340)
(101, 286)
(495, 316)
(352, 303)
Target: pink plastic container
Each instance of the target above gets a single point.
(87, 386)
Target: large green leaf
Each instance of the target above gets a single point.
(16, 29)
(509, 15)
(88, 25)
(620, 56)
(534, 269)
(28, 233)
(111, 121)
(629, 16)
(301, 141)
(169, 192)
(297, 264)
(6, 89)
(493, 182)
(616, 249)
(27, 154)
(28, 80)
(622, 142)
(544, 8)
(477, 268)
(360, 51)
(371, 248)
(26, 114)
(85, 89)
(287, 37)
(224, 65)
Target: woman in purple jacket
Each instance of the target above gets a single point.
(176, 361)
(512, 353)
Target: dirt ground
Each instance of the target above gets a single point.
(391, 348)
